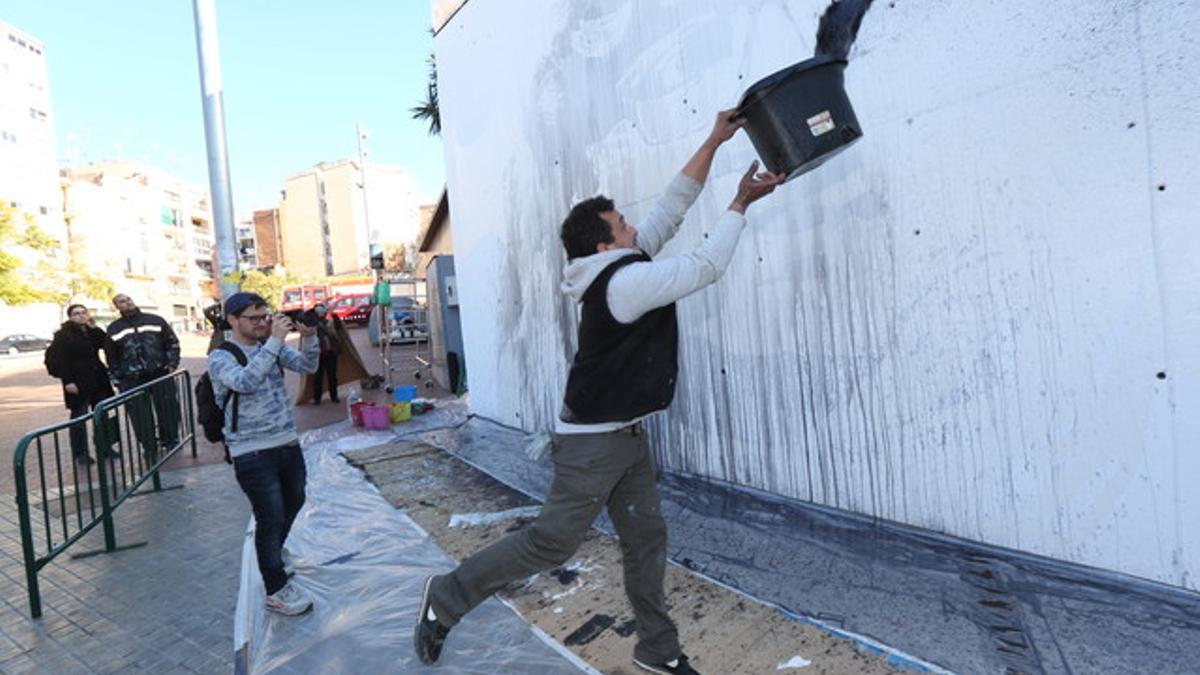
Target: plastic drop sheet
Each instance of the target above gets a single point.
(932, 602)
(365, 563)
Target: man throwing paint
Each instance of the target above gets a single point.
(624, 370)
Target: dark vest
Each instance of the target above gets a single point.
(622, 370)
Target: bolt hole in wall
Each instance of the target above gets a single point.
(1161, 375)
(1162, 187)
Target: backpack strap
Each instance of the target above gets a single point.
(233, 396)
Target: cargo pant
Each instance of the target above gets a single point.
(591, 471)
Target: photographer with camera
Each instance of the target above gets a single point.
(260, 431)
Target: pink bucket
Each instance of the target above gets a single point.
(376, 417)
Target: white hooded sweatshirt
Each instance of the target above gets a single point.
(640, 287)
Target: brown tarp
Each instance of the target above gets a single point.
(350, 366)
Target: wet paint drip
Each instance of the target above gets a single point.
(839, 27)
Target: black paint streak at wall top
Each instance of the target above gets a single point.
(839, 27)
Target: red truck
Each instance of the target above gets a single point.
(303, 297)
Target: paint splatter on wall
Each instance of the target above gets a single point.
(982, 321)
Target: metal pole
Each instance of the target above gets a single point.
(362, 183)
(211, 90)
(31, 563)
(103, 447)
(362, 180)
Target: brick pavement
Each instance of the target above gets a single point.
(166, 607)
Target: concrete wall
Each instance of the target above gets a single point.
(983, 319)
(267, 244)
(335, 187)
(300, 233)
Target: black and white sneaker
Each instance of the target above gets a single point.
(430, 634)
(677, 666)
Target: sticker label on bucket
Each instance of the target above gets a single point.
(821, 123)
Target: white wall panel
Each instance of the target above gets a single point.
(957, 324)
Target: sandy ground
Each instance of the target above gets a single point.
(583, 604)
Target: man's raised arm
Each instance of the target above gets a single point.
(662, 222)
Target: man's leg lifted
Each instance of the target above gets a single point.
(586, 467)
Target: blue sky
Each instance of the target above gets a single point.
(298, 75)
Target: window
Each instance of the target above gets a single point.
(43, 210)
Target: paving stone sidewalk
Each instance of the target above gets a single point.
(164, 608)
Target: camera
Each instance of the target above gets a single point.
(306, 317)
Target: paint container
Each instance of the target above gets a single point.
(401, 411)
(356, 410)
(376, 417)
(800, 116)
(403, 393)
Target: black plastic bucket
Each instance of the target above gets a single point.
(800, 116)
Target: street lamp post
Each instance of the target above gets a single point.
(212, 91)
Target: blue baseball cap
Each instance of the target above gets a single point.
(238, 302)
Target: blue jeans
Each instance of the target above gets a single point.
(273, 481)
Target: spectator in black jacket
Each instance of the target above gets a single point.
(142, 347)
(74, 358)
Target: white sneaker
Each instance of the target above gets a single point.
(289, 600)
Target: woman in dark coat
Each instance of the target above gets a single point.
(73, 357)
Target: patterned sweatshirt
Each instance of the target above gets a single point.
(265, 418)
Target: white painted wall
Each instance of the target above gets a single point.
(992, 377)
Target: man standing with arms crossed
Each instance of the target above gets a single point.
(260, 431)
(624, 370)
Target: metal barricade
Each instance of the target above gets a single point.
(133, 434)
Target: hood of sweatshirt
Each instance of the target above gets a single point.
(579, 274)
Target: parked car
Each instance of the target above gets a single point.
(355, 308)
(22, 343)
(407, 321)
